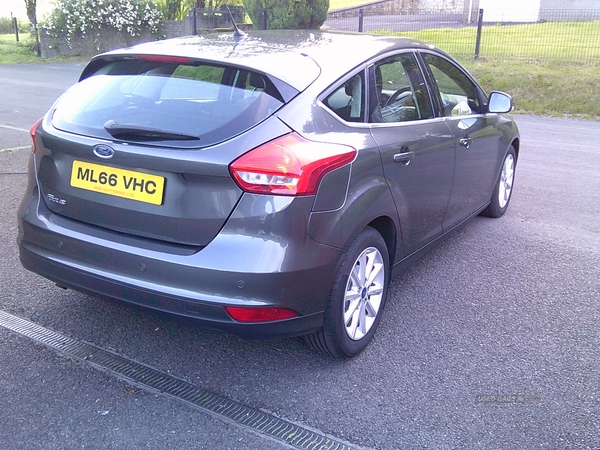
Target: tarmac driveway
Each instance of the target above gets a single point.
(490, 341)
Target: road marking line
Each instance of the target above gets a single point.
(8, 127)
(13, 149)
(152, 380)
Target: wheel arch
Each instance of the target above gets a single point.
(516, 145)
(386, 227)
(369, 203)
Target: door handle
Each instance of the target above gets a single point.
(404, 157)
(465, 142)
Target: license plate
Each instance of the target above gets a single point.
(138, 186)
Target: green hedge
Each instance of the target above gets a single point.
(288, 14)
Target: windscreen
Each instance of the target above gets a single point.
(181, 105)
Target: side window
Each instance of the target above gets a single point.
(459, 96)
(348, 100)
(400, 90)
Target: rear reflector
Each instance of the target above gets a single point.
(260, 314)
(289, 165)
(32, 134)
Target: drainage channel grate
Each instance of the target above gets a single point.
(146, 377)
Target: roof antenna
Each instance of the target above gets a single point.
(237, 33)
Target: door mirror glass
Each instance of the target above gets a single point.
(500, 103)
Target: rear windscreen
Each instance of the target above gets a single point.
(166, 103)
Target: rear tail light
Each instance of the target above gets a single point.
(289, 165)
(260, 314)
(32, 134)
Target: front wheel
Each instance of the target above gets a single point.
(504, 186)
(356, 300)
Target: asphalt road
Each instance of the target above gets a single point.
(490, 341)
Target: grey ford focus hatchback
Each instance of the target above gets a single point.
(268, 185)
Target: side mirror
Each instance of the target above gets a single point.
(500, 102)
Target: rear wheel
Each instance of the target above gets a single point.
(504, 185)
(356, 300)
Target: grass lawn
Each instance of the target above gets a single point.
(544, 88)
(549, 68)
(574, 41)
(13, 52)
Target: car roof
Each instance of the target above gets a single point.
(296, 57)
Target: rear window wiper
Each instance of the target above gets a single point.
(139, 132)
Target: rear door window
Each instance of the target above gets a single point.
(348, 100)
(172, 104)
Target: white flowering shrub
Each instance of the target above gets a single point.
(91, 16)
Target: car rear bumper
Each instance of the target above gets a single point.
(241, 267)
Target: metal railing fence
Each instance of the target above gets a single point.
(548, 35)
(210, 19)
(524, 35)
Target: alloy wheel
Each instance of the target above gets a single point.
(506, 180)
(364, 293)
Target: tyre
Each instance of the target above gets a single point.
(357, 298)
(504, 185)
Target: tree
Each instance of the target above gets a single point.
(175, 9)
(179, 9)
(288, 14)
(31, 7)
(217, 4)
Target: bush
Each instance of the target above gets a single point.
(6, 26)
(179, 9)
(85, 16)
(288, 14)
(175, 9)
